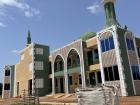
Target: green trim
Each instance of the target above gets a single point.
(125, 63)
(59, 73)
(87, 35)
(110, 14)
(74, 70)
(12, 73)
(43, 74)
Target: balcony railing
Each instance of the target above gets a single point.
(74, 69)
(59, 73)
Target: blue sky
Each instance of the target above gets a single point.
(55, 22)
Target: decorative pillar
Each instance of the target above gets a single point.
(53, 80)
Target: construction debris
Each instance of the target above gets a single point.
(98, 96)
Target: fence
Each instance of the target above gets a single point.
(30, 98)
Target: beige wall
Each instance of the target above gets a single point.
(75, 82)
(95, 67)
(91, 43)
(23, 74)
(137, 86)
(109, 58)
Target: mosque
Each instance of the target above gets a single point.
(110, 56)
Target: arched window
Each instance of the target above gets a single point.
(58, 64)
(73, 59)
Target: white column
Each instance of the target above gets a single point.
(53, 81)
(96, 78)
(100, 59)
(82, 67)
(66, 77)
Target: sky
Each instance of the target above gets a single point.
(55, 23)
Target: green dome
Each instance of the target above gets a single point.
(87, 35)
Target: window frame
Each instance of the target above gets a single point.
(7, 73)
(39, 51)
(107, 44)
(130, 44)
(39, 65)
(111, 42)
(135, 72)
(70, 80)
(7, 86)
(39, 83)
(108, 73)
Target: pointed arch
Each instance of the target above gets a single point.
(58, 63)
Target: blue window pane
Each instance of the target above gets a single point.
(69, 62)
(111, 42)
(78, 60)
(132, 44)
(106, 44)
(128, 44)
(134, 73)
(103, 45)
(137, 72)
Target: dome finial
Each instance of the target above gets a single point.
(106, 1)
(28, 38)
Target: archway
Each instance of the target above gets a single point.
(74, 71)
(59, 74)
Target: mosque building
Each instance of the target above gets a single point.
(109, 57)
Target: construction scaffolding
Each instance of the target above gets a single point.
(104, 95)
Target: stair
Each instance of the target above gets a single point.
(133, 100)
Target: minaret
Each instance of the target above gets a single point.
(28, 38)
(110, 13)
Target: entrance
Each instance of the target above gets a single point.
(17, 88)
(30, 87)
(92, 79)
(62, 85)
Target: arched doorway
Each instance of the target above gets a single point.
(74, 71)
(59, 74)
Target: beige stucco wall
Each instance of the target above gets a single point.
(91, 42)
(75, 82)
(23, 73)
(94, 67)
(137, 86)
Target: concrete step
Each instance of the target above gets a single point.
(133, 100)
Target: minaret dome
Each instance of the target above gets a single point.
(110, 13)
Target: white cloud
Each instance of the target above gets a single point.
(95, 8)
(2, 25)
(22, 5)
(15, 51)
(31, 12)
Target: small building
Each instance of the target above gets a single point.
(8, 85)
(32, 71)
